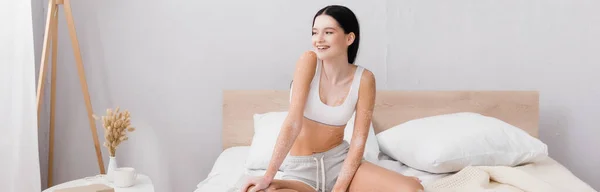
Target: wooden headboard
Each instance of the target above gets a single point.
(519, 108)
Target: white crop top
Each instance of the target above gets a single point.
(318, 111)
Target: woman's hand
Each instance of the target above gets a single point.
(257, 183)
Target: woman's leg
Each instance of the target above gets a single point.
(370, 177)
(287, 186)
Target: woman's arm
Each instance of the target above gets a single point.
(362, 122)
(303, 75)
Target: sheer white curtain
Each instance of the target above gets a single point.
(19, 159)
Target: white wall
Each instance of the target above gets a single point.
(167, 62)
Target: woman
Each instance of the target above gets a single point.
(325, 92)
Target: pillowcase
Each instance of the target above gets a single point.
(448, 143)
(266, 130)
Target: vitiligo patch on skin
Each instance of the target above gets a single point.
(365, 113)
(353, 161)
(359, 143)
(296, 124)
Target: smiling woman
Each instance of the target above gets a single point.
(336, 27)
(328, 88)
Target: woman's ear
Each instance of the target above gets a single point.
(350, 38)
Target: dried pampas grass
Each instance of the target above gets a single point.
(116, 125)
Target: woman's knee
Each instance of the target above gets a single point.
(268, 189)
(410, 185)
(416, 186)
(271, 188)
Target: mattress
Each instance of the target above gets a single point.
(228, 174)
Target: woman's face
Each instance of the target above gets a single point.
(328, 38)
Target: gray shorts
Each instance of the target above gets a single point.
(319, 170)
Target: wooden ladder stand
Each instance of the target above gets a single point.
(51, 36)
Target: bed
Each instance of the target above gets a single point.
(392, 108)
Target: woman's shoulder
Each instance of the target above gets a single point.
(367, 83)
(305, 67)
(367, 77)
(308, 58)
(309, 54)
(306, 64)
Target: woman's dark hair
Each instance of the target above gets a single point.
(348, 22)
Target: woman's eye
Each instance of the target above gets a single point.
(313, 33)
(328, 32)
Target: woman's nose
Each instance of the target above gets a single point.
(320, 38)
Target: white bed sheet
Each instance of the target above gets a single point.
(228, 171)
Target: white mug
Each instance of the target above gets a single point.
(124, 176)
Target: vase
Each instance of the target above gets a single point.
(112, 165)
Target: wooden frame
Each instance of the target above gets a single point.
(51, 36)
(519, 108)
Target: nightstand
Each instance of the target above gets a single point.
(143, 183)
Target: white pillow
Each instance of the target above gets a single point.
(266, 131)
(450, 142)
